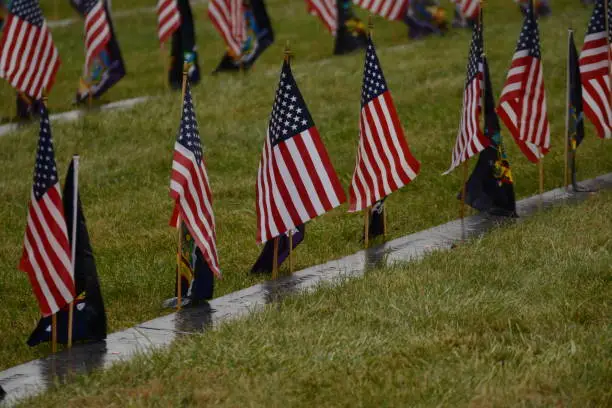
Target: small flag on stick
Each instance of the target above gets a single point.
(595, 70)
(384, 161)
(46, 254)
(296, 180)
(168, 19)
(470, 139)
(522, 106)
(28, 57)
(189, 186)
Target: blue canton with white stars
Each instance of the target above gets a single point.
(530, 36)
(189, 136)
(597, 24)
(45, 172)
(289, 115)
(475, 57)
(374, 83)
(28, 11)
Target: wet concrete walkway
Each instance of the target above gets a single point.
(36, 376)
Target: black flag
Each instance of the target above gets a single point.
(575, 116)
(351, 33)
(266, 259)
(377, 219)
(490, 187)
(89, 322)
(259, 37)
(184, 49)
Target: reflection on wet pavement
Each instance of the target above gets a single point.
(33, 377)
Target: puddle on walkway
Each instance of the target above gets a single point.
(33, 377)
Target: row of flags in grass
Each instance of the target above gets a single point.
(296, 180)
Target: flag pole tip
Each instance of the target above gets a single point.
(287, 51)
(370, 25)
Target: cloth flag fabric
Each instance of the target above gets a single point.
(595, 70)
(168, 19)
(89, 322)
(197, 279)
(384, 162)
(327, 11)
(389, 9)
(470, 139)
(190, 189)
(522, 105)
(351, 32)
(46, 254)
(106, 67)
(184, 49)
(97, 29)
(265, 261)
(490, 187)
(296, 180)
(259, 36)
(228, 18)
(376, 226)
(29, 59)
(468, 8)
(575, 113)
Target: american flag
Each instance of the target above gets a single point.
(168, 19)
(470, 139)
(469, 8)
(228, 17)
(389, 9)
(97, 29)
(327, 11)
(384, 162)
(28, 57)
(190, 189)
(296, 180)
(522, 106)
(46, 254)
(595, 71)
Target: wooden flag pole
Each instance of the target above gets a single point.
(567, 115)
(179, 295)
(275, 259)
(75, 203)
(54, 315)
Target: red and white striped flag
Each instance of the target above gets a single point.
(296, 180)
(522, 105)
(168, 19)
(46, 254)
(97, 29)
(389, 9)
(468, 8)
(228, 17)
(595, 71)
(190, 189)
(470, 139)
(327, 11)
(28, 57)
(384, 162)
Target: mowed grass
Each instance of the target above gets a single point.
(521, 317)
(126, 156)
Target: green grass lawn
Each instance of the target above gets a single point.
(521, 317)
(126, 156)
